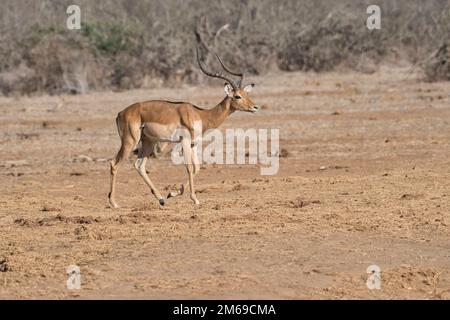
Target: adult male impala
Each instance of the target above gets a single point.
(154, 123)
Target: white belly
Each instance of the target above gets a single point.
(161, 132)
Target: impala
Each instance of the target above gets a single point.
(152, 125)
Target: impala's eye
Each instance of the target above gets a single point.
(237, 97)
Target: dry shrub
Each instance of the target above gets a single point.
(328, 43)
(20, 79)
(437, 68)
(127, 44)
(61, 65)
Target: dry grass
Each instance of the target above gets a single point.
(142, 44)
(369, 185)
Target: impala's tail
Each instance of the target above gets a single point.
(119, 127)
(128, 124)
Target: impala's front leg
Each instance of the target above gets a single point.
(196, 169)
(192, 166)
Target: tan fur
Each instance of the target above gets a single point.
(156, 120)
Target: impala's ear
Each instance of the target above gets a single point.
(228, 90)
(248, 88)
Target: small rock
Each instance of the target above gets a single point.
(4, 265)
(15, 163)
(47, 208)
(336, 113)
(408, 196)
(26, 136)
(83, 158)
(284, 153)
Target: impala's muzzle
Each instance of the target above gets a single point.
(254, 109)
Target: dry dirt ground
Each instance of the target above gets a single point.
(366, 180)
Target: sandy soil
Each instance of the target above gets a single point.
(366, 181)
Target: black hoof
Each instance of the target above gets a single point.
(161, 202)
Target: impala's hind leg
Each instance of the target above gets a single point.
(130, 138)
(145, 152)
(194, 167)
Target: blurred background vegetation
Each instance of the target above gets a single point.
(125, 44)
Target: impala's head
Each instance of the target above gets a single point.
(236, 91)
(240, 99)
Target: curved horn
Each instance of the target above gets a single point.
(215, 75)
(241, 74)
(200, 40)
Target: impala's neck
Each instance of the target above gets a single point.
(215, 116)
